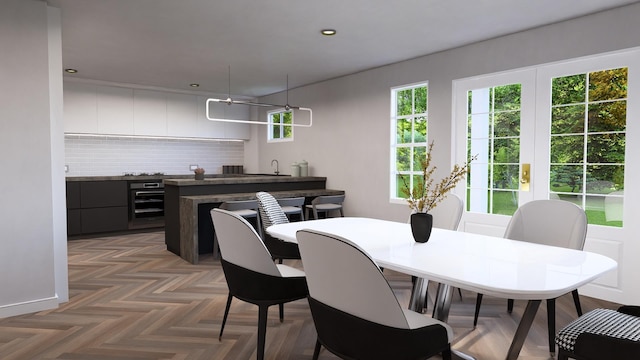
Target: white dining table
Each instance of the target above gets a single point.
(484, 264)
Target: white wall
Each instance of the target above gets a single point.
(58, 188)
(30, 146)
(349, 141)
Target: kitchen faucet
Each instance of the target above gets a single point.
(276, 161)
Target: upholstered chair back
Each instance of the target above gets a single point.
(350, 275)
(550, 222)
(240, 244)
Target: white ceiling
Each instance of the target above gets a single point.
(172, 43)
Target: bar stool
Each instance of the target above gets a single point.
(325, 204)
(247, 209)
(292, 206)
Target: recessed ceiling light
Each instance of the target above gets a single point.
(328, 32)
(194, 85)
(71, 71)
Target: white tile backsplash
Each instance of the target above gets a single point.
(110, 156)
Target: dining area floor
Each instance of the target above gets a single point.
(130, 298)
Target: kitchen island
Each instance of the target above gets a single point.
(188, 226)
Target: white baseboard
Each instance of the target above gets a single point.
(28, 307)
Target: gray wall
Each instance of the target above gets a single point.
(32, 220)
(349, 141)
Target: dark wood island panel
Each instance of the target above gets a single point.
(186, 198)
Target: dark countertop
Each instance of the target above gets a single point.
(165, 177)
(242, 179)
(220, 198)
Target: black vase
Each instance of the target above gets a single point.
(421, 224)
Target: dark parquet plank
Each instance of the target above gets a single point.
(132, 299)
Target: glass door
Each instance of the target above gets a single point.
(494, 116)
(559, 131)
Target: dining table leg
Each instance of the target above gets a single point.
(523, 329)
(441, 312)
(418, 298)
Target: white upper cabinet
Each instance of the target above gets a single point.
(80, 108)
(115, 110)
(149, 113)
(182, 115)
(112, 110)
(237, 130)
(213, 129)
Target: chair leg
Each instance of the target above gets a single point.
(262, 330)
(509, 306)
(316, 350)
(478, 303)
(281, 311)
(576, 301)
(226, 313)
(460, 293)
(446, 354)
(563, 355)
(551, 324)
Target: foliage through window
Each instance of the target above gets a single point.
(280, 128)
(409, 135)
(588, 134)
(493, 125)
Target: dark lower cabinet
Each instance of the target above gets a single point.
(104, 219)
(96, 207)
(74, 224)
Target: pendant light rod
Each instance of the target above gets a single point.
(230, 101)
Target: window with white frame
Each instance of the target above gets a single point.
(408, 136)
(570, 131)
(280, 128)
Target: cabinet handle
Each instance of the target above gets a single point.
(138, 193)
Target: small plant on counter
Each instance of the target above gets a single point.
(199, 173)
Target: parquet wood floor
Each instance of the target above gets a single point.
(132, 299)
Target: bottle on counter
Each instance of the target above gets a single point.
(295, 170)
(304, 168)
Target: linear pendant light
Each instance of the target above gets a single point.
(229, 101)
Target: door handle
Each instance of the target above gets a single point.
(525, 178)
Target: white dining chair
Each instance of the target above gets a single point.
(549, 222)
(251, 274)
(356, 313)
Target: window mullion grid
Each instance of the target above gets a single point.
(490, 160)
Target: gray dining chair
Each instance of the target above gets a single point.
(354, 310)
(292, 206)
(251, 274)
(548, 222)
(325, 204)
(248, 209)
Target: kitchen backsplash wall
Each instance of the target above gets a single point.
(110, 156)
